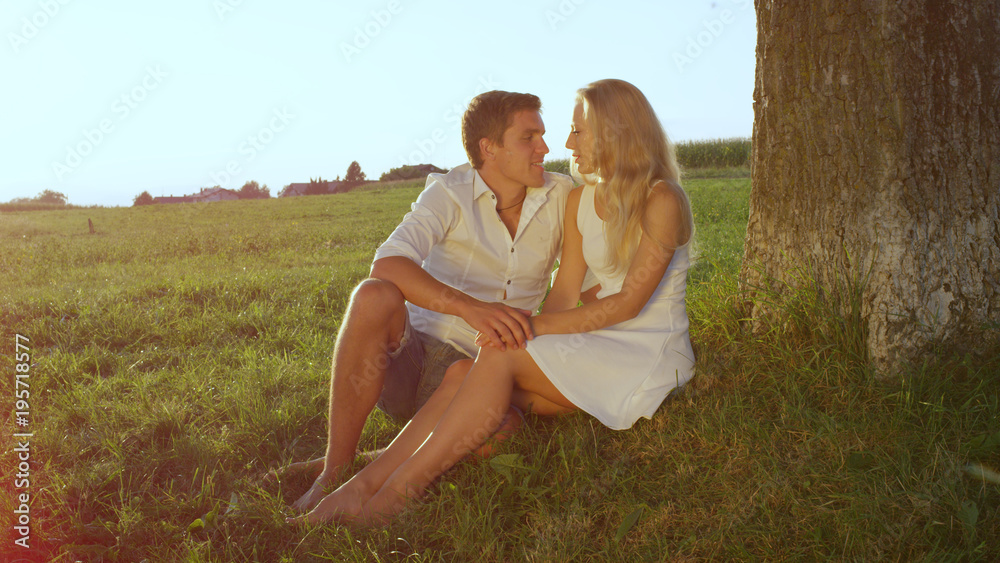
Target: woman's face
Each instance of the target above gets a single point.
(581, 142)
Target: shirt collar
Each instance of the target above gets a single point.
(479, 187)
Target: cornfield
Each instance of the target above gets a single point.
(718, 153)
(694, 155)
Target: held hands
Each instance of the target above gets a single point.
(500, 326)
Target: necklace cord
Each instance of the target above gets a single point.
(513, 206)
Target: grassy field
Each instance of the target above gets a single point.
(182, 350)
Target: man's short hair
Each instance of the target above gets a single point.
(490, 114)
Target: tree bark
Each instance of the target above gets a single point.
(876, 156)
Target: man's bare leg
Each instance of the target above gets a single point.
(371, 329)
(336, 506)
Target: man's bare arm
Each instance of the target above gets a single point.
(505, 326)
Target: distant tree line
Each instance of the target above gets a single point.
(318, 186)
(353, 178)
(253, 190)
(250, 190)
(47, 199)
(410, 172)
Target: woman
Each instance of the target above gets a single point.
(616, 358)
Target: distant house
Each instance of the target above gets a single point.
(215, 194)
(299, 188)
(292, 190)
(204, 196)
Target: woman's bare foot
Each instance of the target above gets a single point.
(342, 506)
(508, 427)
(313, 469)
(314, 495)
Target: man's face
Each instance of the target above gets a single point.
(520, 158)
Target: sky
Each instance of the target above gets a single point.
(107, 99)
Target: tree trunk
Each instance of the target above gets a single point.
(876, 155)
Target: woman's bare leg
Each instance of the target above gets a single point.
(534, 403)
(344, 503)
(477, 410)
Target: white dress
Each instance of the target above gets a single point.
(624, 371)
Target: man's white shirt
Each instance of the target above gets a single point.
(454, 232)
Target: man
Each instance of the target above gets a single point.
(473, 255)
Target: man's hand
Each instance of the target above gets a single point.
(499, 326)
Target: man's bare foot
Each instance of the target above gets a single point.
(323, 482)
(311, 469)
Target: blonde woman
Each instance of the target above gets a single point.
(615, 358)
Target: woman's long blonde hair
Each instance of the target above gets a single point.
(631, 153)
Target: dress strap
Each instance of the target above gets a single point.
(587, 211)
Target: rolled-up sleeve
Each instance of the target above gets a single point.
(430, 219)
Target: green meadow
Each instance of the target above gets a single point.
(181, 351)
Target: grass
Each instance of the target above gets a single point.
(181, 351)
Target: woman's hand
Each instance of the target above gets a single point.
(483, 340)
(504, 327)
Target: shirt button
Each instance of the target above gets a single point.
(511, 250)
(508, 282)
